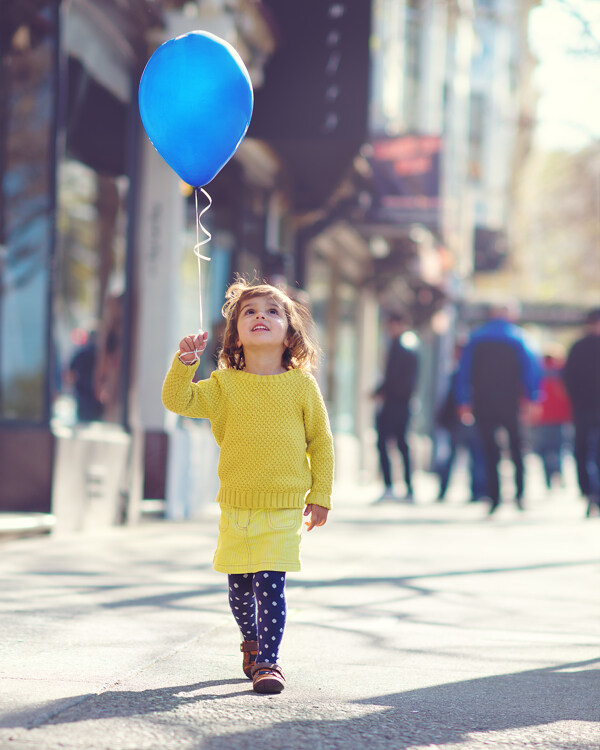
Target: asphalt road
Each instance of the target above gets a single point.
(425, 626)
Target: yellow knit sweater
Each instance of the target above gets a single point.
(273, 431)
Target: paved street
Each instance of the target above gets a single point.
(410, 627)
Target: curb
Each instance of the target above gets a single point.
(15, 525)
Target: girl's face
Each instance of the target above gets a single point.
(262, 323)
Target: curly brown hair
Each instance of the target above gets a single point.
(301, 352)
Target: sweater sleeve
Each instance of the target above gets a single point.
(319, 446)
(189, 399)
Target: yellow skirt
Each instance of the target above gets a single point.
(258, 539)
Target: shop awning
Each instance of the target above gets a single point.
(312, 108)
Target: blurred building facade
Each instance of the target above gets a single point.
(502, 112)
(370, 166)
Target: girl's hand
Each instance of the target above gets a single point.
(192, 347)
(318, 515)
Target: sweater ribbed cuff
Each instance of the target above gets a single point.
(318, 498)
(181, 367)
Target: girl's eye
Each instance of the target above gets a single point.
(249, 311)
(274, 310)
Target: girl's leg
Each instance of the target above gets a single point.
(269, 592)
(243, 605)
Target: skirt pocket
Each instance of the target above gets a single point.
(281, 519)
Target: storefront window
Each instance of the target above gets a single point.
(334, 303)
(320, 285)
(92, 289)
(27, 115)
(90, 293)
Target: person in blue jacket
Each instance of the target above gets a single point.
(498, 372)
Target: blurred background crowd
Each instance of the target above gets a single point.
(404, 163)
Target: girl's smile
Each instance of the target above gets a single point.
(262, 322)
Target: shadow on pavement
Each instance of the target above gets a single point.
(437, 715)
(122, 703)
(449, 713)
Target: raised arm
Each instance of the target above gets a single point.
(182, 396)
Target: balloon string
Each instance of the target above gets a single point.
(199, 244)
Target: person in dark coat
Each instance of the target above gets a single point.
(82, 369)
(582, 380)
(394, 394)
(497, 370)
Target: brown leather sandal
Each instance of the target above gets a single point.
(267, 678)
(250, 651)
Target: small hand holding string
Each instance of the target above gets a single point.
(191, 348)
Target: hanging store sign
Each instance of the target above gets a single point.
(406, 180)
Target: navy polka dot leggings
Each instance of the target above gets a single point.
(257, 601)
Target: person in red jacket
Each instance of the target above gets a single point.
(549, 417)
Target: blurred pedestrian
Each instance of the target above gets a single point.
(459, 436)
(582, 379)
(82, 375)
(270, 421)
(498, 369)
(549, 418)
(394, 395)
(109, 363)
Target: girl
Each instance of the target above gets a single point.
(269, 419)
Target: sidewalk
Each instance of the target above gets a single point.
(410, 627)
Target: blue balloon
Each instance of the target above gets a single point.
(195, 99)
